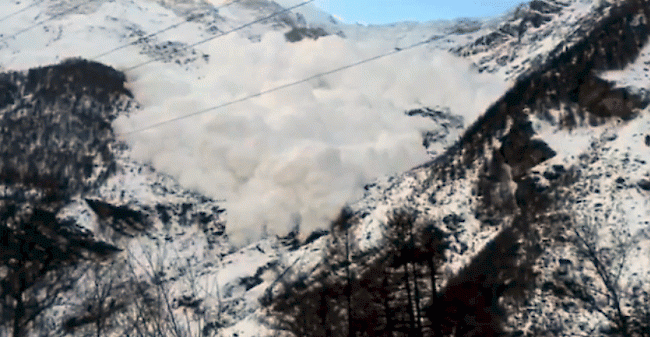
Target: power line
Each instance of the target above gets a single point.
(154, 33)
(46, 20)
(288, 9)
(19, 11)
(229, 103)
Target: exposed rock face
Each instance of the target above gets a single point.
(506, 214)
(527, 17)
(502, 143)
(67, 202)
(296, 34)
(519, 215)
(56, 134)
(57, 142)
(569, 79)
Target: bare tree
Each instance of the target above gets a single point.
(38, 250)
(597, 278)
(383, 292)
(608, 266)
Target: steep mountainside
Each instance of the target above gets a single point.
(534, 222)
(540, 222)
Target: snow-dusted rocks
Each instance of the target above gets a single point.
(542, 200)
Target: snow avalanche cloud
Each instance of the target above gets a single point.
(299, 154)
(296, 155)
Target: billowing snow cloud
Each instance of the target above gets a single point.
(298, 154)
(301, 153)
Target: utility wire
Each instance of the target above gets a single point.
(46, 20)
(288, 9)
(155, 33)
(19, 11)
(229, 103)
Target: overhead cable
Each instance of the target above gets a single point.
(19, 11)
(46, 20)
(143, 38)
(285, 10)
(264, 92)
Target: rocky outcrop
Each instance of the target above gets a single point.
(70, 199)
(56, 142)
(511, 207)
(502, 143)
(55, 124)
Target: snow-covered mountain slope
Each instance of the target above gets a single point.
(552, 176)
(517, 180)
(531, 33)
(552, 172)
(298, 153)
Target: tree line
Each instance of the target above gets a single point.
(392, 291)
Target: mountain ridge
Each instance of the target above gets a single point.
(499, 194)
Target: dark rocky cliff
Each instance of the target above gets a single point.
(502, 145)
(520, 212)
(56, 142)
(55, 124)
(67, 212)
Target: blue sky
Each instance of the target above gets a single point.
(388, 11)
